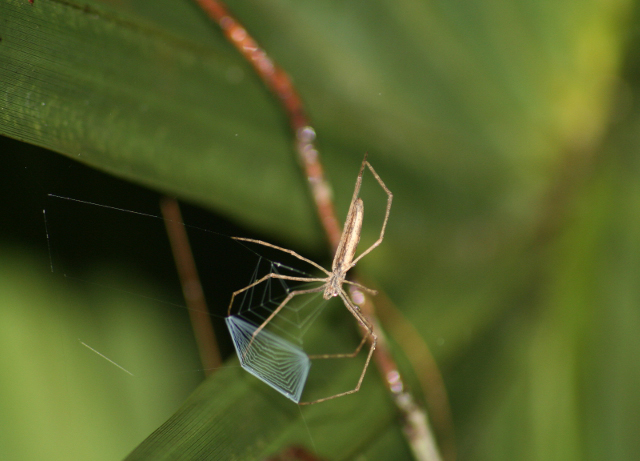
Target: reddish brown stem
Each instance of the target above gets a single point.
(279, 83)
(191, 286)
(426, 369)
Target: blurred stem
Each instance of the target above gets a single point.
(279, 83)
(427, 371)
(416, 426)
(191, 286)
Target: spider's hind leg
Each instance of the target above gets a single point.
(281, 306)
(369, 334)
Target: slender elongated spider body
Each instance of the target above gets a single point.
(333, 284)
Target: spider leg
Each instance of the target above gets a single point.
(278, 309)
(367, 326)
(272, 275)
(343, 356)
(386, 216)
(291, 252)
(362, 287)
(356, 189)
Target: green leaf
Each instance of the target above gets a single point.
(61, 400)
(235, 416)
(182, 114)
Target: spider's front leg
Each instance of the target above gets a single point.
(282, 304)
(271, 275)
(386, 215)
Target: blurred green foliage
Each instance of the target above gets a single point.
(507, 130)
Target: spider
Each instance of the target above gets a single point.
(332, 284)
